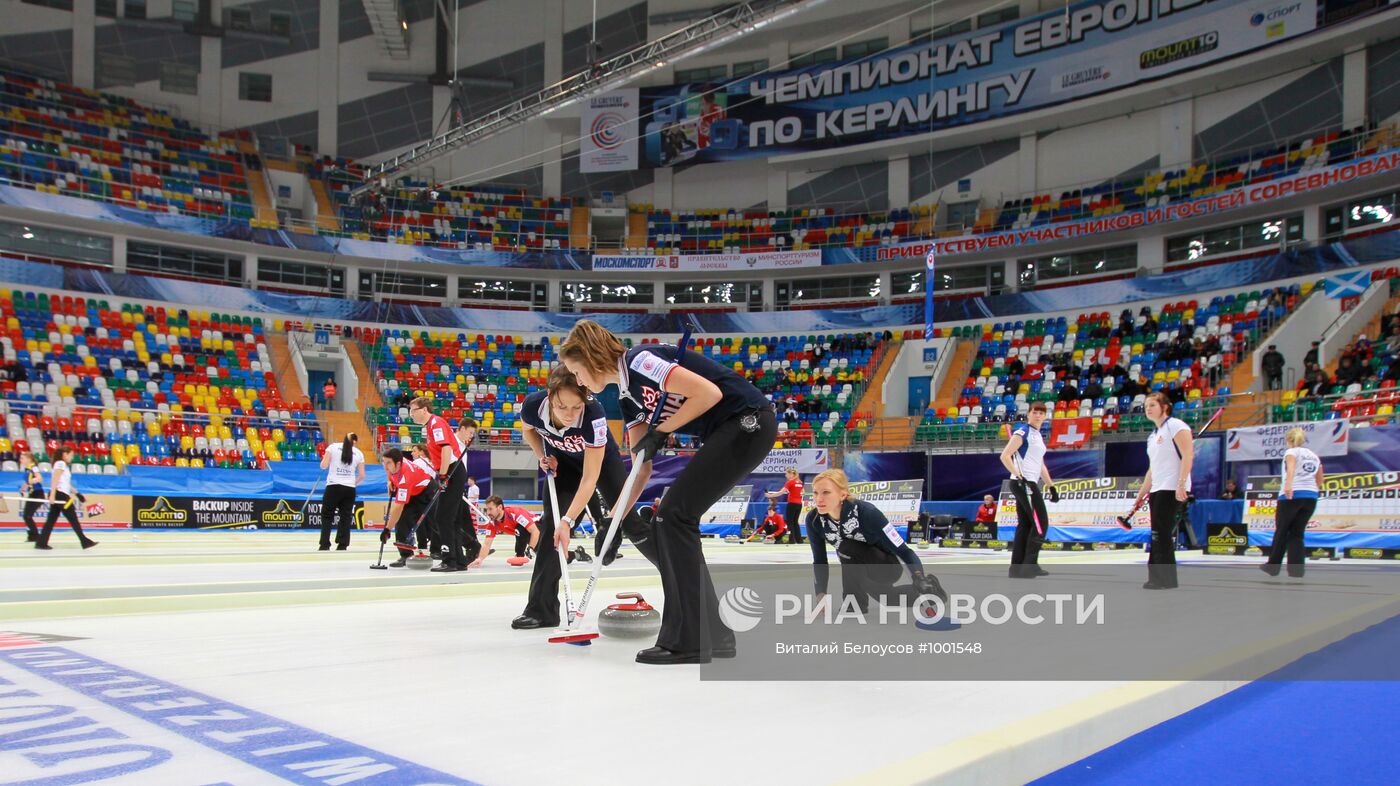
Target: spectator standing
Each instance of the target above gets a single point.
(1272, 364)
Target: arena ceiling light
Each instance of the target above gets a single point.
(715, 30)
(389, 26)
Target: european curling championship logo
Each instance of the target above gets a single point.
(607, 130)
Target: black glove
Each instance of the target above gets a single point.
(529, 552)
(650, 443)
(81, 499)
(928, 585)
(384, 535)
(1052, 493)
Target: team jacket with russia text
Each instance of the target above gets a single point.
(568, 444)
(642, 374)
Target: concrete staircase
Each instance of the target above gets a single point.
(326, 217)
(636, 231)
(368, 393)
(1245, 410)
(264, 211)
(964, 353)
(282, 366)
(580, 229)
(886, 433)
(338, 424)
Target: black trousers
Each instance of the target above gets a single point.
(543, 600)
(522, 539)
(61, 507)
(31, 506)
(1025, 548)
(869, 572)
(470, 541)
(1161, 555)
(792, 514)
(448, 516)
(690, 621)
(403, 531)
(1290, 524)
(337, 500)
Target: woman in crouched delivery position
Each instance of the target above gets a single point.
(873, 555)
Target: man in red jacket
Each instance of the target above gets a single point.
(772, 527)
(508, 520)
(987, 512)
(444, 454)
(408, 483)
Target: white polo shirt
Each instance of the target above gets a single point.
(1163, 456)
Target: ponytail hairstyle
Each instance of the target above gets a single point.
(1164, 400)
(593, 346)
(837, 478)
(1296, 437)
(347, 448)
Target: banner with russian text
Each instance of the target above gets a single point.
(690, 263)
(1088, 48)
(1265, 443)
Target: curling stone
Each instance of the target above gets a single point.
(516, 562)
(635, 620)
(420, 561)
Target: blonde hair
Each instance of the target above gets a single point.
(837, 478)
(592, 345)
(791, 471)
(1296, 437)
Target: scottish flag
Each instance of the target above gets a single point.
(1350, 284)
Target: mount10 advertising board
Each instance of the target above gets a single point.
(1355, 510)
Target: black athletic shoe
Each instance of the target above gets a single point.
(581, 554)
(31, 538)
(323, 548)
(89, 545)
(43, 546)
(398, 563)
(1039, 571)
(448, 567)
(1271, 569)
(1151, 585)
(526, 622)
(660, 656)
